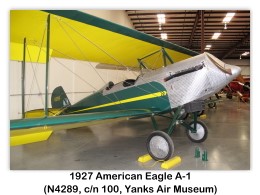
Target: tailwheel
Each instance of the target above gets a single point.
(201, 133)
(160, 145)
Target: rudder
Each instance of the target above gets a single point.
(59, 98)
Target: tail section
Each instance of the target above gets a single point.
(59, 98)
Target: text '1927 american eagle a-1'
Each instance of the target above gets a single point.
(181, 84)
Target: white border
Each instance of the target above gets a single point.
(31, 182)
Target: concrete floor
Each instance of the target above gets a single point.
(117, 145)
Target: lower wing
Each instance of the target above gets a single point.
(24, 131)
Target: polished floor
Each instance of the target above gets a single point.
(117, 145)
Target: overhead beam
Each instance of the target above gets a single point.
(190, 25)
(140, 12)
(187, 32)
(236, 46)
(202, 30)
(185, 17)
(194, 28)
(238, 23)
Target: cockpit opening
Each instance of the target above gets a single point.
(110, 85)
(129, 82)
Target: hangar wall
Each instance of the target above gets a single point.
(116, 16)
(78, 78)
(72, 75)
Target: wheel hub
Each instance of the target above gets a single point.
(159, 147)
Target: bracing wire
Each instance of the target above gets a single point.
(35, 71)
(64, 66)
(82, 53)
(97, 90)
(34, 79)
(96, 45)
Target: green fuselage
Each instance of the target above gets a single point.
(152, 96)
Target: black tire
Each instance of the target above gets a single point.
(160, 145)
(212, 105)
(246, 87)
(229, 96)
(201, 134)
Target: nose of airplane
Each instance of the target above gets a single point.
(235, 71)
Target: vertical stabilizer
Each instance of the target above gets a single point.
(59, 98)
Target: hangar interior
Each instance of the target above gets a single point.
(117, 144)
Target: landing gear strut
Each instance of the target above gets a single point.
(160, 145)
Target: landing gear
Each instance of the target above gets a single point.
(183, 114)
(160, 145)
(229, 95)
(201, 133)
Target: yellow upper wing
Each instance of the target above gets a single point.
(77, 35)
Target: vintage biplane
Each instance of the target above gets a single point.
(239, 87)
(180, 83)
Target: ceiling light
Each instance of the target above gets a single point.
(225, 26)
(161, 18)
(164, 36)
(245, 53)
(216, 35)
(228, 17)
(207, 47)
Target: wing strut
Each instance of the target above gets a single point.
(47, 65)
(23, 76)
(165, 58)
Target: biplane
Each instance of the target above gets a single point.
(179, 83)
(239, 87)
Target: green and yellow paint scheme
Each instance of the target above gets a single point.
(93, 35)
(126, 103)
(182, 85)
(90, 33)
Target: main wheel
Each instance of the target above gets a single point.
(160, 145)
(201, 134)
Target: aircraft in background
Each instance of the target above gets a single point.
(173, 87)
(239, 87)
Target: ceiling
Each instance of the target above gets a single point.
(184, 27)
